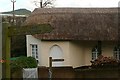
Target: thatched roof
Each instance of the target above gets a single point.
(77, 23)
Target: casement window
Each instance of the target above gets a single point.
(117, 52)
(34, 51)
(96, 51)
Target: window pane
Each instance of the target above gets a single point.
(35, 46)
(117, 52)
(95, 53)
(34, 51)
(33, 54)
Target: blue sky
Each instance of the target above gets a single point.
(6, 5)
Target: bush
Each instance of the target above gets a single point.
(32, 63)
(23, 62)
(105, 62)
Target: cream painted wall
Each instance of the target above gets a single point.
(45, 51)
(88, 45)
(76, 53)
(31, 40)
(107, 48)
(76, 56)
(81, 51)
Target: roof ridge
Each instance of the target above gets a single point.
(74, 10)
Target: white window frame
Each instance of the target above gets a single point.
(95, 54)
(34, 49)
(117, 53)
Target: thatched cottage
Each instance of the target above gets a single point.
(79, 35)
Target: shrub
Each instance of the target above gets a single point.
(105, 62)
(32, 63)
(23, 62)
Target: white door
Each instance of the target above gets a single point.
(56, 53)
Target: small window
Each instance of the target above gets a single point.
(95, 53)
(34, 51)
(117, 52)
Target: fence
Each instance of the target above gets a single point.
(43, 72)
(112, 74)
(57, 72)
(86, 74)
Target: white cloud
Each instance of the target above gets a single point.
(87, 3)
(6, 5)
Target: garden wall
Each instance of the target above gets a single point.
(79, 74)
(58, 72)
(112, 74)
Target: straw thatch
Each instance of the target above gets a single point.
(77, 23)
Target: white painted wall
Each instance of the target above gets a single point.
(31, 40)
